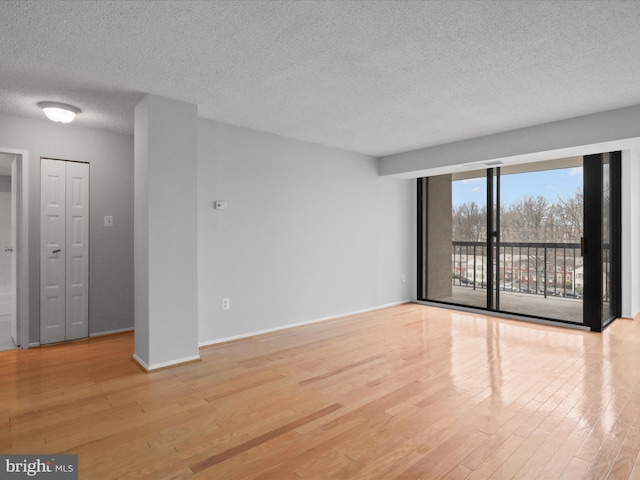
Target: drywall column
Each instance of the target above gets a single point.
(165, 232)
(630, 233)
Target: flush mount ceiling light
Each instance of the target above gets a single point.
(59, 112)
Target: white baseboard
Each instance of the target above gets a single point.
(141, 362)
(111, 332)
(34, 344)
(292, 325)
(156, 366)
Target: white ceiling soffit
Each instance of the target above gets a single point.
(376, 77)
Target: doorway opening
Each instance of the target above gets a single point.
(537, 240)
(14, 323)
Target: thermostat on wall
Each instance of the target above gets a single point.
(220, 205)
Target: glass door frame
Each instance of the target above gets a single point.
(493, 240)
(593, 243)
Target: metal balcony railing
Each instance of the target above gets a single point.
(549, 269)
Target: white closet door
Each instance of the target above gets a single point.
(64, 264)
(53, 251)
(77, 257)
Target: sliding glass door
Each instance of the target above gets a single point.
(455, 225)
(541, 212)
(514, 239)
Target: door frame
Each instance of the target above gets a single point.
(593, 301)
(593, 294)
(22, 246)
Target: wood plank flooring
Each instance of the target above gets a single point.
(410, 392)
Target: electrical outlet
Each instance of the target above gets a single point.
(403, 278)
(225, 304)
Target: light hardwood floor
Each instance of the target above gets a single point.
(410, 392)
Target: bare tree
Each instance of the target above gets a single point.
(570, 213)
(528, 219)
(469, 222)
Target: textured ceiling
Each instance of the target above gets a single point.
(376, 77)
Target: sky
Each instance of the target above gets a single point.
(549, 183)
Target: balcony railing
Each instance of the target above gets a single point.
(549, 269)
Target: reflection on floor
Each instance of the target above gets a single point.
(6, 342)
(557, 308)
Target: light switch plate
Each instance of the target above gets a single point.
(108, 221)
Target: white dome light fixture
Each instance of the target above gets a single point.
(59, 112)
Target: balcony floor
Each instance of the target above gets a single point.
(555, 308)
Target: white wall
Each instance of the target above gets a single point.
(111, 249)
(310, 232)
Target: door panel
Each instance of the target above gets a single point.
(541, 222)
(53, 252)
(457, 230)
(77, 221)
